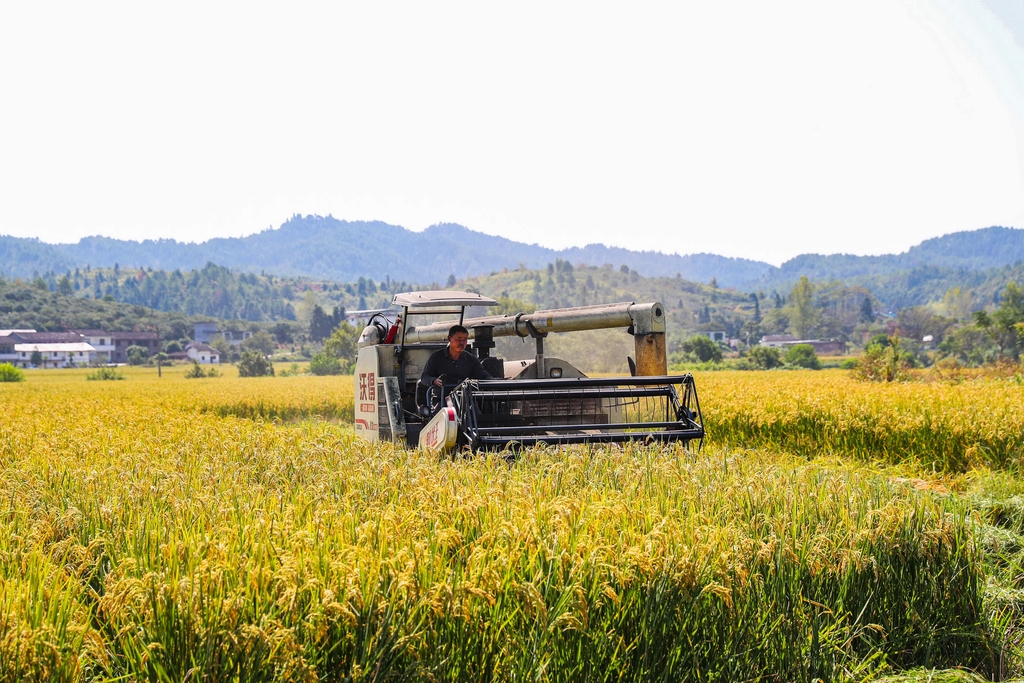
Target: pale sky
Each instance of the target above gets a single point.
(752, 129)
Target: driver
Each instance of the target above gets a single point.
(451, 365)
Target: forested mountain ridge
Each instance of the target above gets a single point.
(326, 249)
(952, 256)
(330, 249)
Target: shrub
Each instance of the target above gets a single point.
(323, 364)
(882, 363)
(195, 372)
(254, 364)
(104, 374)
(136, 354)
(262, 342)
(803, 356)
(765, 357)
(291, 371)
(9, 373)
(703, 349)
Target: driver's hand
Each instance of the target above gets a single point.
(438, 382)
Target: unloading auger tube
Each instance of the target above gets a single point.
(646, 322)
(546, 400)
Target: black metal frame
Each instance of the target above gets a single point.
(683, 420)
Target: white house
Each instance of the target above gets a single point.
(102, 342)
(202, 353)
(56, 355)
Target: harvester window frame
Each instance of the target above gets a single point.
(406, 312)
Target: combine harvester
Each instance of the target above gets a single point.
(543, 400)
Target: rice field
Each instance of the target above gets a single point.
(229, 529)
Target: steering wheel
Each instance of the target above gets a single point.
(435, 396)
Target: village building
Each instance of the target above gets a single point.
(204, 333)
(101, 341)
(122, 340)
(822, 347)
(202, 353)
(7, 343)
(74, 347)
(56, 355)
(776, 341)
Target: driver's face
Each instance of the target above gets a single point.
(457, 343)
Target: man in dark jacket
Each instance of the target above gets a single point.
(453, 364)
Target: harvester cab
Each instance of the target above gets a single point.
(541, 400)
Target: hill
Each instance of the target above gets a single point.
(912, 277)
(24, 306)
(343, 251)
(324, 249)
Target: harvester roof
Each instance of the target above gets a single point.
(442, 298)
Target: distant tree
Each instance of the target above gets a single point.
(881, 339)
(172, 346)
(324, 364)
(65, 287)
(320, 325)
(803, 356)
(262, 342)
(254, 364)
(343, 343)
(450, 282)
(36, 359)
(968, 345)
(957, 303)
(765, 357)
(1006, 324)
(282, 332)
(137, 355)
(306, 308)
(803, 316)
(750, 331)
(703, 349)
(867, 313)
(757, 308)
(225, 349)
(917, 321)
